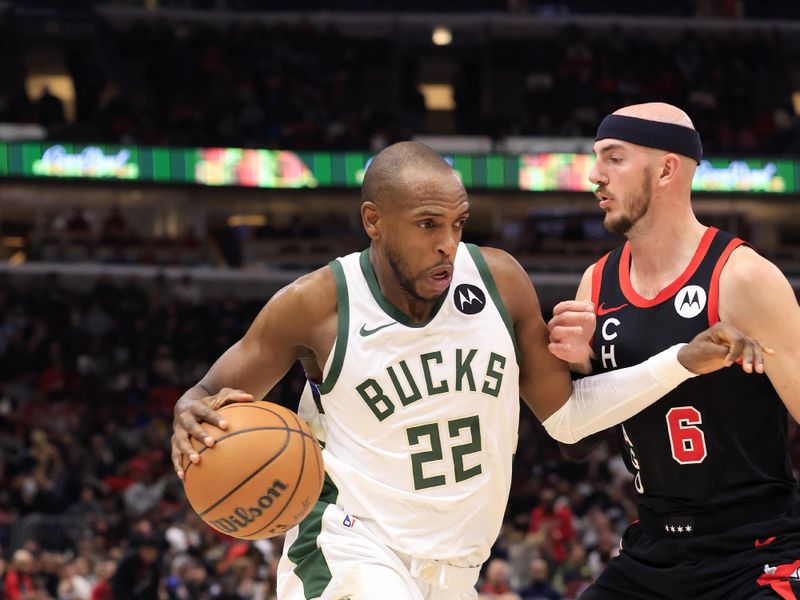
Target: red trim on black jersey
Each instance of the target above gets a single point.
(713, 288)
(597, 280)
(669, 291)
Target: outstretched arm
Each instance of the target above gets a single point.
(295, 322)
(601, 401)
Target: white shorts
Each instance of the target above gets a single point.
(333, 556)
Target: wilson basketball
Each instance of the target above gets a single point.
(262, 476)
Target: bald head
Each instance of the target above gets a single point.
(22, 559)
(657, 111)
(399, 168)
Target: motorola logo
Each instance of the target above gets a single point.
(469, 299)
(690, 301)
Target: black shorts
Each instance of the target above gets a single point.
(755, 561)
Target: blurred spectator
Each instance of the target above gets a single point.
(87, 509)
(74, 584)
(496, 585)
(551, 526)
(102, 587)
(188, 578)
(138, 573)
(574, 574)
(18, 584)
(607, 547)
(539, 588)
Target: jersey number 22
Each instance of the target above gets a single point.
(454, 428)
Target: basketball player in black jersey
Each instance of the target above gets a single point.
(719, 515)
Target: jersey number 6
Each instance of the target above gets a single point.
(686, 439)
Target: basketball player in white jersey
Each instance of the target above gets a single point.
(417, 351)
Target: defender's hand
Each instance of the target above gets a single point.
(720, 346)
(186, 424)
(571, 330)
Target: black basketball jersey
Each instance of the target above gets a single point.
(714, 440)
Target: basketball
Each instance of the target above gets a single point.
(262, 476)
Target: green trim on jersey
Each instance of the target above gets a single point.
(389, 308)
(312, 568)
(491, 287)
(343, 328)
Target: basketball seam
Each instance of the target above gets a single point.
(291, 496)
(254, 473)
(246, 405)
(235, 433)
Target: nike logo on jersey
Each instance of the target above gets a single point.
(764, 542)
(364, 332)
(602, 310)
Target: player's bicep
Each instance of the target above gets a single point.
(257, 361)
(779, 328)
(768, 312)
(544, 380)
(271, 345)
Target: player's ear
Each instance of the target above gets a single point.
(670, 166)
(371, 219)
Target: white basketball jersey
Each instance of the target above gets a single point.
(419, 420)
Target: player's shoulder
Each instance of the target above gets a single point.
(312, 294)
(754, 295)
(499, 261)
(745, 267)
(750, 282)
(513, 282)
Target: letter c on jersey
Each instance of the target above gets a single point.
(610, 335)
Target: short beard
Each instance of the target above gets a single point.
(396, 264)
(639, 206)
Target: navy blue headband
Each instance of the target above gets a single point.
(653, 134)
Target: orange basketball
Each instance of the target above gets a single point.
(262, 476)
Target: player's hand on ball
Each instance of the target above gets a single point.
(720, 346)
(571, 330)
(188, 417)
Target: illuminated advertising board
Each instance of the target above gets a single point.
(284, 169)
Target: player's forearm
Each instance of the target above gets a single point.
(582, 368)
(583, 448)
(605, 400)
